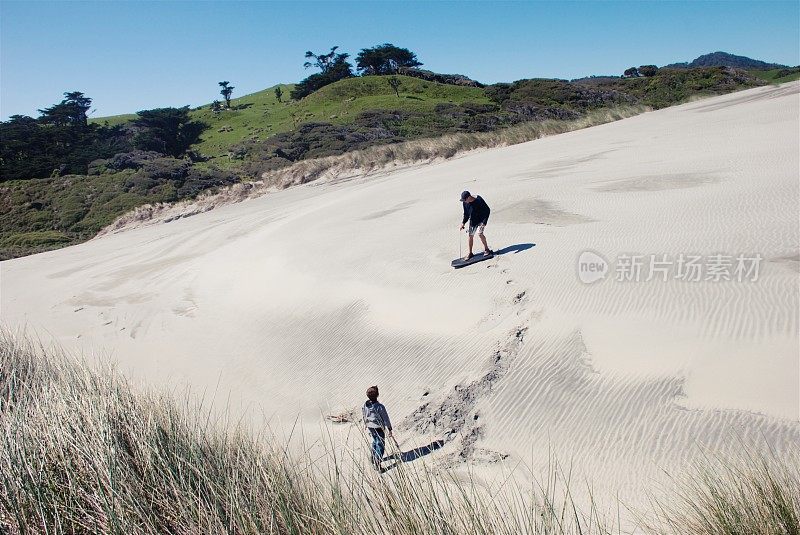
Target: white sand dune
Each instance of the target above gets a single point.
(291, 304)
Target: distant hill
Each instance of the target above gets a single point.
(724, 59)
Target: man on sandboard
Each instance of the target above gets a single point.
(476, 211)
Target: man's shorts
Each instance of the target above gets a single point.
(479, 228)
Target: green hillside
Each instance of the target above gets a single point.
(258, 116)
(777, 76)
(113, 120)
(255, 115)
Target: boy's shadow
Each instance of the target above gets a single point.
(412, 455)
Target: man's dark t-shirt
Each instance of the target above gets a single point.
(476, 212)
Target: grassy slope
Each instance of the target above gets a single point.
(260, 115)
(772, 75)
(113, 120)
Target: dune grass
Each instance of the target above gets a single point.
(85, 451)
(751, 494)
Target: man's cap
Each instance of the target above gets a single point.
(464, 195)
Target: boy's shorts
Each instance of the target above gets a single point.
(479, 228)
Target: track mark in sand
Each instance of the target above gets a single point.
(145, 271)
(539, 212)
(556, 168)
(656, 183)
(792, 262)
(384, 213)
(94, 299)
(67, 272)
(139, 325)
(774, 92)
(189, 305)
(519, 297)
(454, 417)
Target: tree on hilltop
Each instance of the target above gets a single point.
(633, 72)
(58, 142)
(324, 62)
(226, 92)
(279, 93)
(69, 112)
(333, 67)
(167, 130)
(385, 59)
(648, 70)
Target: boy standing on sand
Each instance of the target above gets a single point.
(476, 211)
(376, 419)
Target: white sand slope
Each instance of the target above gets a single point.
(292, 304)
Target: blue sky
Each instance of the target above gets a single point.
(133, 55)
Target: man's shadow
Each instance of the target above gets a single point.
(515, 248)
(412, 455)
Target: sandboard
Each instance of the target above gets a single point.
(460, 262)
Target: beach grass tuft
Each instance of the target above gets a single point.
(84, 450)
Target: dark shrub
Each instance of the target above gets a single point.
(474, 108)
(386, 121)
(140, 183)
(198, 180)
(167, 130)
(450, 79)
(648, 70)
(498, 92)
(166, 168)
(385, 59)
(124, 160)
